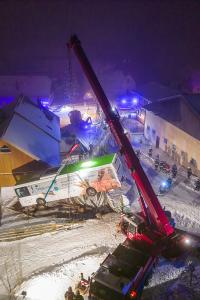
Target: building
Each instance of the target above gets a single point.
(153, 92)
(29, 139)
(173, 125)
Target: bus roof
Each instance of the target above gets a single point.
(87, 164)
(81, 165)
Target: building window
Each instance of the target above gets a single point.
(5, 149)
(165, 141)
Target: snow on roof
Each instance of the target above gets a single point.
(171, 111)
(194, 101)
(32, 129)
(166, 110)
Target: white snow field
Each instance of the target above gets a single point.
(36, 255)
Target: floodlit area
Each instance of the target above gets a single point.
(44, 266)
(99, 150)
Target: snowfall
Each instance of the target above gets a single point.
(46, 265)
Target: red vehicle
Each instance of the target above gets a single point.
(149, 233)
(164, 167)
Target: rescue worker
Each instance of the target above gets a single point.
(189, 172)
(161, 165)
(69, 295)
(191, 269)
(169, 182)
(138, 153)
(82, 277)
(197, 184)
(78, 296)
(24, 294)
(91, 149)
(166, 168)
(150, 152)
(174, 171)
(157, 162)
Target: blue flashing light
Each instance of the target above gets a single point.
(45, 103)
(164, 184)
(86, 126)
(135, 100)
(124, 101)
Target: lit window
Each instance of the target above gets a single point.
(5, 149)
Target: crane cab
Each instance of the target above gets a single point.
(131, 224)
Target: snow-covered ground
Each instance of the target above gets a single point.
(53, 285)
(41, 254)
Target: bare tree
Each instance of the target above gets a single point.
(11, 274)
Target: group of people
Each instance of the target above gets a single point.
(82, 286)
(70, 295)
(163, 166)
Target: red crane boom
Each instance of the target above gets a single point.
(156, 213)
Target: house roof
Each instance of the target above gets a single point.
(32, 129)
(194, 101)
(166, 109)
(171, 110)
(17, 106)
(154, 91)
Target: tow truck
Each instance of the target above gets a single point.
(149, 233)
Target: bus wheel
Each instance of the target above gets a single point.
(90, 191)
(41, 201)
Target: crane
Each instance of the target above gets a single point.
(149, 233)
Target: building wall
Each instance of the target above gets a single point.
(10, 161)
(181, 146)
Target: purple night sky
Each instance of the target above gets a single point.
(151, 40)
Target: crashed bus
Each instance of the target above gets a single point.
(83, 178)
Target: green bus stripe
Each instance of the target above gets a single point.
(95, 162)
